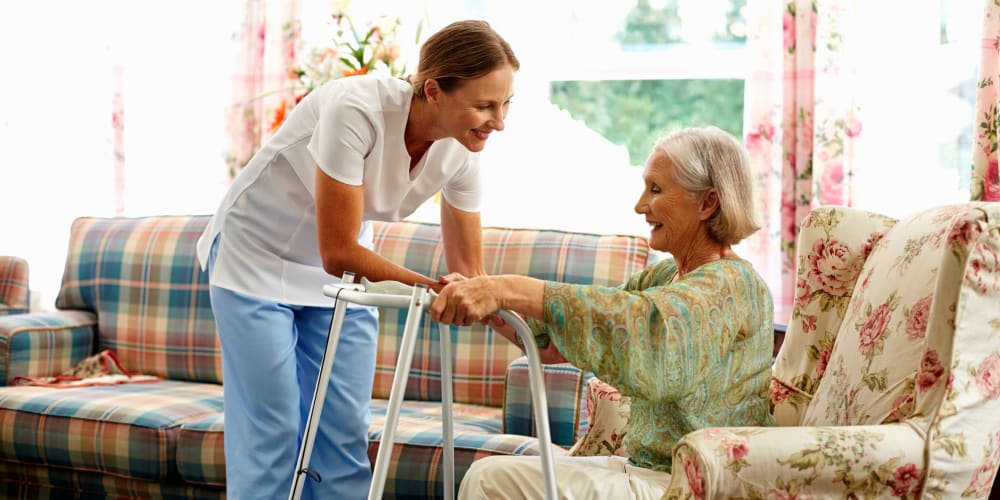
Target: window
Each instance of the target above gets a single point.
(599, 82)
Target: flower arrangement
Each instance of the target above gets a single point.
(353, 52)
(350, 51)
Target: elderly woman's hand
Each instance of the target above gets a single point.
(467, 300)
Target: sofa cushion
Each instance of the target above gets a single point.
(201, 457)
(482, 356)
(129, 430)
(416, 467)
(142, 279)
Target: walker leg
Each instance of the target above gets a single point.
(300, 474)
(540, 407)
(447, 428)
(414, 316)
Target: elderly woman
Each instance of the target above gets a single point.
(689, 338)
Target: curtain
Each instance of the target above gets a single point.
(985, 184)
(801, 123)
(267, 43)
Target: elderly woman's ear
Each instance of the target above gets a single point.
(709, 204)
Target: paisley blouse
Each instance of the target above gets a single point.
(691, 354)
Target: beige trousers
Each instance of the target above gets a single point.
(577, 478)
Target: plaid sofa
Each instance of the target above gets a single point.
(133, 286)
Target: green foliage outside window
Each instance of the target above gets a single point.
(634, 113)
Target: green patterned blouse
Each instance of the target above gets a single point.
(695, 353)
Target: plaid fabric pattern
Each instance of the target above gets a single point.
(415, 469)
(44, 344)
(20, 481)
(14, 294)
(564, 384)
(481, 357)
(131, 430)
(201, 458)
(142, 279)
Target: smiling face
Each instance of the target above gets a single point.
(673, 213)
(471, 112)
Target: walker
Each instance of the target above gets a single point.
(417, 299)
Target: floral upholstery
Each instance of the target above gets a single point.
(887, 384)
(607, 413)
(13, 285)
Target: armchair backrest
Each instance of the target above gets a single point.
(912, 338)
(13, 285)
(482, 356)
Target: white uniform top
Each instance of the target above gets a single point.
(352, 128)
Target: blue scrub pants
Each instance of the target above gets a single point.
(271, 356)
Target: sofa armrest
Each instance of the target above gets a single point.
(44, 344)
(14, 293)
(565, 392)
(799, 462)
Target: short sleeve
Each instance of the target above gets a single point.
(343, 137)
(464, 190)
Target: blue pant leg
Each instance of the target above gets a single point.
(340, 452)
(260, 394)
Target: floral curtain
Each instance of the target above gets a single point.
(985, 183)
(267, 43)
(801, 123)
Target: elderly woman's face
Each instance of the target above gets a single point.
(672, 212)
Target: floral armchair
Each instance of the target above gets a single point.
(13, 285)
(888, 380)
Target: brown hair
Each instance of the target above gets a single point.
(461, 51)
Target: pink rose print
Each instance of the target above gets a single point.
(605, 391)
(964, 232)
(853, 127)
(824, 359)
(930, 370)
(832, 266)
(831, 186)
(735, 450)
(809, 324)
(902, 408)
(804, 296)
(869, 245)
(983, 271)
(904, 479)
(988, 376)
(756, 139)
(788, 28)
(982, 479)
(695, 481)
(991, 182)
(788, 222)
(779, 393)
(916, 322)
(874, 327)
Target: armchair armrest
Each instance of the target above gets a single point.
(799, 462)
(565, 392)
(44, 344)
